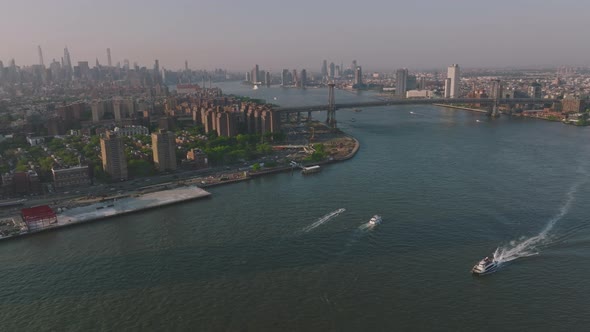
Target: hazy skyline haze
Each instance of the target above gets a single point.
(235, 35)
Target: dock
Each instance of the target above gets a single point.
(114, 207)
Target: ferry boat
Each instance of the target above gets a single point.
(310, 169)
(375, 220)
(485, 266)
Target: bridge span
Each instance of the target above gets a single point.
(487, 101)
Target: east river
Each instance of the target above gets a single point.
(452, 186)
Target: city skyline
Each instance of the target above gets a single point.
(212, 35)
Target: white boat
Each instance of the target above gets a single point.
(485, 266)
(310, 169)
(375, 220)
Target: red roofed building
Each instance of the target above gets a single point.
(39, 217)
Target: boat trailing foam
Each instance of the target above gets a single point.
(323, 220)
(529, 246)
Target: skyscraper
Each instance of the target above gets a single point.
(358, 76)
(295, 78)
(422, 84)
(285, 77)
(535, 91)
(41, 63)
(324, 68)
(496, 91)
(157, 72)
(447, 88)
(67, 64)
(401, 82)
(112, 151)
(332, 70)
(303, 78)
(109, 61)
(255, 75)
(164, 149)
(454, 75)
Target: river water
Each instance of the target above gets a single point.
(266, 255)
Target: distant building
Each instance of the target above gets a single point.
(285, 77)
(496, 90)
(401, 80)
(166, 123)
(535, 91)
(33, 141)
(70, 177)
(197, 159)
(303, 78)
(21, 183)
(164, 149)
(295, 78)
(123, 108)
(447, 93)
(418, 94)
(332, 70)
(573, 105)
(358, 76)
(411, 82)
(422, 83)
(131, 131)
(187, 88)
(508, 93)
(267, 78)
(255, 75)
(454, 74)
(324, 69)
(112, 151)
(99, 109)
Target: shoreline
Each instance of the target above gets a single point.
(87, 213)
(127, 205)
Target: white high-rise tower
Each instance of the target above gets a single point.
(453, 74)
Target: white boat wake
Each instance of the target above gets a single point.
(525, 247)
(323, 220)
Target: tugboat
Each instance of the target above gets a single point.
(485, 266)
(375, 220)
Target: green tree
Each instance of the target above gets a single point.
(46, 164)
(256, 167)
(319, 154)
(242, 139)
(263, 148)
(22, 165)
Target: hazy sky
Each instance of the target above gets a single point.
(236, 34)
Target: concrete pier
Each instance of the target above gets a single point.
(120, 206)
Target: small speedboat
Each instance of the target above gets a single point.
(375, 220)
(485, 266)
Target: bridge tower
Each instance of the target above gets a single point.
(496, 95)
(331, 120)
